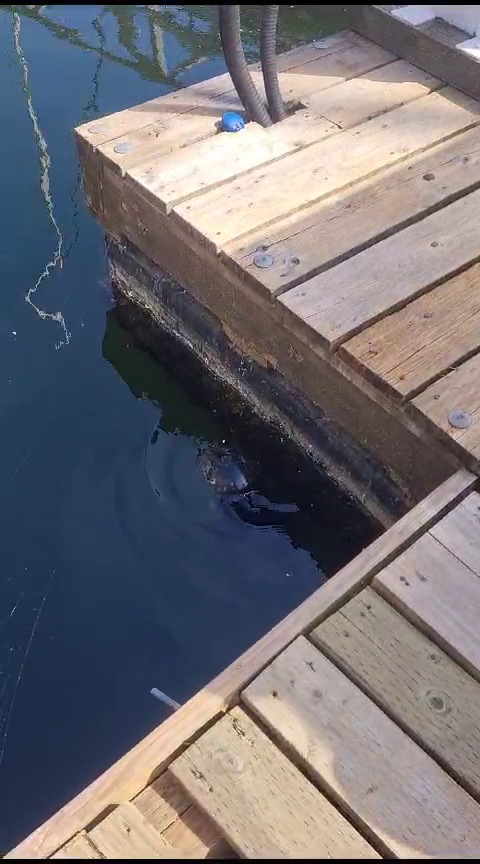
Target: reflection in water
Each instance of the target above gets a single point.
(123, 568)
(44, 160)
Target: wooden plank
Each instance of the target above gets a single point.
(436, 591)
(103, 129)
(126, 834)
(260, 801)
(162, 802)
(460, 390)
(171, 133)
(161, 109)
(408, 350)
(339, 303)
(265, 195)
(169, 810)
(389, 86)
(196, 836)
(432, 45)
(80, 847)
(414, 682)
(384, 781)
(257, 327)
(304, 82)
(209, 163)
(176, 131)
(153, 753)
(460, 532)
(171, 178)
(343, 224)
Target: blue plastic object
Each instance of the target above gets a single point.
(232, 122)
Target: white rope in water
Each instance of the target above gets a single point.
(45, 163)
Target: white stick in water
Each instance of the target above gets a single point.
(164, 698)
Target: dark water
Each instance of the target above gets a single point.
(121, 568)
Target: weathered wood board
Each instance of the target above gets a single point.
(411, 678)
(344, 223)
(263, 196)
(262, 804)
(431, 46)
(440, 594)
(460, 531)
(457, 391)
(344, 300)
(125, 833)
(385, 782)
(169, 179)
(408, 350)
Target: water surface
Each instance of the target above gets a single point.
(121, 568)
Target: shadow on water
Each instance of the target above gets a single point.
(305, 505)
(122, 567)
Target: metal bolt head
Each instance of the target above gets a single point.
(459, 419)
(123, 147)
(262, 260)
(291, 261)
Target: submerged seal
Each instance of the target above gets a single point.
(228, 476)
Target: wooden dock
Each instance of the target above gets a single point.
(340, 248)
(352, 729)
(336, 247)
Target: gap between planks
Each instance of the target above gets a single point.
(265, 195)
(114, 126)
(458, 390)
(175, 131)
(436, 584)
(259, 800)
(341, 302)
(408, 350)
(325, 234)
(390, 788)
(417, 684)
(169, 179)
(151, 756)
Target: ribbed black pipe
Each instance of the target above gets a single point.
(229, 21)
(268, 42)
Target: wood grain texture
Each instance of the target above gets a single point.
(79, 847)
(152, 754)
(162, 802)
(262, 804)
(432, 45)
(103, 129)
(302, 83)
(124, 834)
(267, 194)
(258, 328)
(460, 532)
(408, 350)
(375, 92)
(206, 106)
(172, 178)
(339, 303)
(439, 594)
(170, 811)
(195, 836)
(344, 224)
(386, 783)
(414, 682)
(460, 390)
(169, 134)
